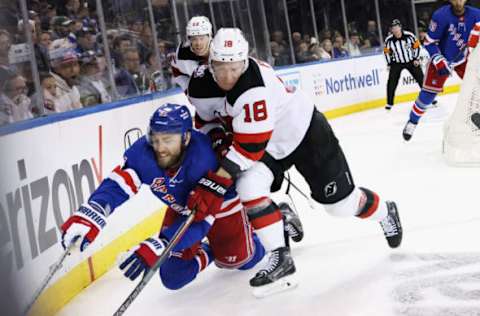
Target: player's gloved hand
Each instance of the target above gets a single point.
(84, 225)
(143, 257)
(441, 65)
(416, 63)
(207, 197)
(221, 140)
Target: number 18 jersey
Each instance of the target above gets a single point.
(265, 115)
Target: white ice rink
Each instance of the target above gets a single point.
(344, 266)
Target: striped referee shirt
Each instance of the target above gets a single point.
(401, 50)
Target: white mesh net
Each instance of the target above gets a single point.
(461, 142)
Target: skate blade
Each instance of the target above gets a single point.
(284, 284)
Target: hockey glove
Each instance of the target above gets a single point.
(83, 225)
(221, 140)
(143, 257)
(207, 197)
(441, 65)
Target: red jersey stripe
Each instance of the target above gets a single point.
(127, 178)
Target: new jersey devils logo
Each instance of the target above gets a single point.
(330, 189)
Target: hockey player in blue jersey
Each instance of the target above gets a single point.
(172, 159)
(446, 42)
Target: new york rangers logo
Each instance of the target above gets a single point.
(158, 184)
(330, 189)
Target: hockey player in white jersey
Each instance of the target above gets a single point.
(273, 129)
(193, 52)
(188, 57)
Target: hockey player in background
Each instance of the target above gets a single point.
(275, 128)
(448, 41)
(192, 52)
(172, 159)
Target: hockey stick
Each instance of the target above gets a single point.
(50, 275)
(164, 256)
(476, 119)
(290, 183)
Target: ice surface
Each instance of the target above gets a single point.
(344, 265)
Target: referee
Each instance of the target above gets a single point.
(402, 50)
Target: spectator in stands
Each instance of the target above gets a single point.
(317, 49)
(65, 69)
(279, 54)
(306, 38)
(72, 7)
(14, 102)
(372, 34)
(60, 26)
(120, 44)
(131, 80)
(327, 47)
(277, 36)
(86, 40)
(76, 26)
(45, 40)
(51, 101)
(353, 45)
(304, 55)
(296, 39)
(339, 50)
(103, 73)
(137, 26)
(91, 87)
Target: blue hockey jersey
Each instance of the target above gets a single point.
(448, 34)
(172, 188)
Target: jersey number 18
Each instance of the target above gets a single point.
(259, 110)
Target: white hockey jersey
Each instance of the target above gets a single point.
(264, 114)
(183, 63)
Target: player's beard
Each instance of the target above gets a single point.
(458, 9)
(172, 160)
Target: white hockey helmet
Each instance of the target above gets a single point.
(199, 25)
(229, 45)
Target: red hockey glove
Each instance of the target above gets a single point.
(441, 65)
(84, 225)
(221, 140)
(207, 197)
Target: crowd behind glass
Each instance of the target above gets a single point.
(74, 67)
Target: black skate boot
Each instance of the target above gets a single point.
(408, 130)
(291, 221)
(392, 228)
(274, 278)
